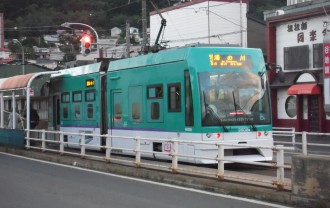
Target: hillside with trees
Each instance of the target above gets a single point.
(32, 19)
(36, 17)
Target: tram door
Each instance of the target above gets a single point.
(116, 108)
(56, 112)
(313, 113)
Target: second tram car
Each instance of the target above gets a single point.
(195, 93)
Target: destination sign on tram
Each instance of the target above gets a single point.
(228, 61)
(90, 83)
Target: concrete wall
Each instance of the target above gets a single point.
(311, 178)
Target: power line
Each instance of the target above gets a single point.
(204, 37)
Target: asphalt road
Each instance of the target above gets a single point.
(31, 183)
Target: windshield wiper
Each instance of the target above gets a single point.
(254, 128)
(235, 105)
(211, 112)
(261, 74)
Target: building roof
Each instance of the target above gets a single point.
(190, 3)
(6, 60)
(308, 8)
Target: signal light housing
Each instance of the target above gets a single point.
(86, 43)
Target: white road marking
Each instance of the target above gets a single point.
(152, 182)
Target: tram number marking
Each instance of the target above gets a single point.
(167, 147)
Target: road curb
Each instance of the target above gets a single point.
(184, 180)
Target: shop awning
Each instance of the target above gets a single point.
(304, 89)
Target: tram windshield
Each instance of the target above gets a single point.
(234, 98)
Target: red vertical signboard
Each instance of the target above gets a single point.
(326, 56)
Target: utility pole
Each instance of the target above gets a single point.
(128, 42)
(208, 22)
(241, 22)
(144, 24)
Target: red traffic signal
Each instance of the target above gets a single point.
(86, 43)
(87, 39)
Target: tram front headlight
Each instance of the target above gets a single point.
(208, 135)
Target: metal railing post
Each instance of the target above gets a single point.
(27, 139)
(137, 151)
(221, 162)
(82, 145)
(61, 143)
(43, 140)
(174, 154)
(304, 143)
(293, 138)
(108, 148)
(280, 168)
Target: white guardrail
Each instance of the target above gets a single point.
(48, 143)
(302, 144)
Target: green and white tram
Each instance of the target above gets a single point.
(192, 93)
(195, 93)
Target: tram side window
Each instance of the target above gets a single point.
(90, 97)
(155, 91)
(155, 111)
(174, 97)
(155, 96)
(135, 99)
(65, 112)
(65, 99)
(77, 98)
(189, 108)
(118, 111)
(136, 111)
(117, 108)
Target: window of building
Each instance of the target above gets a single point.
(291, 106)
(174, 97)
(296, 57)
(318, 55)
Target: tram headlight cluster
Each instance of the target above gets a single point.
(265, 133)
(217, 135)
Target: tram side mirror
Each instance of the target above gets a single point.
(280, 74)
(279, 70)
